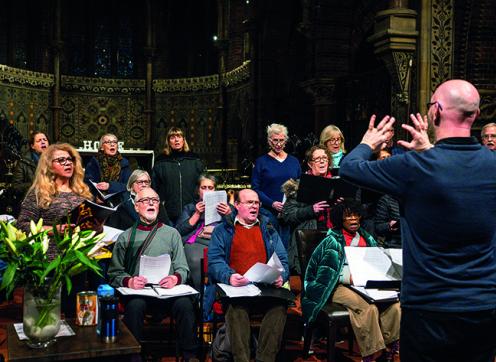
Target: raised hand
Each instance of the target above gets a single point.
(376, 137)
(420, 138)
(320, 206)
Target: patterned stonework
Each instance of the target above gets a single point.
(442, 41)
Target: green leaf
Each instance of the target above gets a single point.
(54, 264)
(8, 276)
(68, 284)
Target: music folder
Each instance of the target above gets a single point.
(313, 189)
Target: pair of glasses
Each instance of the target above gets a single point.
(63, 160)
(351, 217)
(488, 136)
(278, 142)
(320, 159)
(430, 104)
(149, 200)
(250, 203)
(334, 140)
(110, 142)
(143, 182)
(207, 188)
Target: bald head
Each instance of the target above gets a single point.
(454, 108)
(459, 95)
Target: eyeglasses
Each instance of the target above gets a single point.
(351, 217)
(205, 187)
(149, 200)
(488, 136)
(320, 159)
(430, 104)
(334, 140)
(110, 142)
(250, 203)
(143, 182)
(63, 160)
(277, 142)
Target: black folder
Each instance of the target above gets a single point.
(313, 189)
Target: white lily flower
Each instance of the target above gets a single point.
(44, 243)
(32, 227)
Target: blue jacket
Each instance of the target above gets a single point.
(219, 253)
(93, 172)
(448, 220)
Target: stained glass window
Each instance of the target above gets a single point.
(125, 59)
(103, 51)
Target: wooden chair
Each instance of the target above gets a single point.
(332, 315)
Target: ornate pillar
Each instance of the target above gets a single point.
(322, 91)
(436, 47)
(57, 47)
(395, 41)
(222, 44)
(149, 54)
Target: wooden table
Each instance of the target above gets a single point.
(86, 344)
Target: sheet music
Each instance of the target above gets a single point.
(211, 200)
(111, 234)
(154, 268)
(158, 292)
(249, 290)
(265, 273)
(370, 263)
(377, 294)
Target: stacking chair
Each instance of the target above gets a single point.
(332, 315)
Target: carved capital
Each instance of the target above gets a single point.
(321, 89)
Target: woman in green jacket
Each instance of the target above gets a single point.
(326, 275)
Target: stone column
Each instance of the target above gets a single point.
(395, 39)
(322, 91)
(57, 47)
(149, 54)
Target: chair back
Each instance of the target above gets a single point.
(306, 242)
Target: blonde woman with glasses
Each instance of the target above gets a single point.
(58, 188)
(332, 139)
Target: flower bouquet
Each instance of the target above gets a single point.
(30, 266)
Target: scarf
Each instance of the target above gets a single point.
(336, 158)
(110, 166)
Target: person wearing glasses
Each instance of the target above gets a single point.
(236, 246)
(300, 215)
(488, 136)
(175, 173)
(332, 138)
(271, 171)
(448, 225)
(191, 225)
(153, 238)
(58, 188)
(108, 169)
(377, 331)
(126, 215)
(26, 166)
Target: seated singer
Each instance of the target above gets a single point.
(151, 237)
(233, 250)
(327, 271)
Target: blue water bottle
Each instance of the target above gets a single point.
(104, 290)
(109, 319)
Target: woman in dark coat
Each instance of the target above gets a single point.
(175, 173)
(108, 169)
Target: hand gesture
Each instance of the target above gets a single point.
(137, 282)
(103, 186)
(200, 207)
(420, 138)
(169, 281)
(223, 208)
(376, 137)
(320, 206)
(237, 280)
(279, 282)
(277, 205)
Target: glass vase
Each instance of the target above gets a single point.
(41, 314)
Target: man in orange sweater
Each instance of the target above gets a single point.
(233, 249)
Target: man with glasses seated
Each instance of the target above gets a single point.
(234, 248)
(108, 169)
(152, 238)
(126, 214)
(488, 135)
